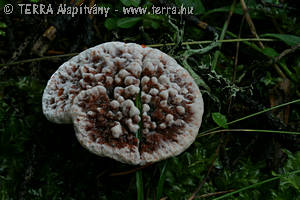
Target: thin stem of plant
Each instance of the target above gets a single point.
(237, 51)
(150, 45)
(236, 62)
(250, 130)
(225, 26)
(39, 59)
(251, 115)
(139, 185)
(257, 184)
(250, 22)
(210, 41)
(213, 194)
(284, 53)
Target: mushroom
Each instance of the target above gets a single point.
(98, 91)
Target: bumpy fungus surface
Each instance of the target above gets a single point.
(97, 91)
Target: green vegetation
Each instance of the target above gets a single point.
(2, 26)
(247, 67)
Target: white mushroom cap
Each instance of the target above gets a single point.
(177, 111)
(98, 89)
(102, 134)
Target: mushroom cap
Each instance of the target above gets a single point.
(97, 90)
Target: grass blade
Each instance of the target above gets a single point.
(139, 175)
(225, 26)
(252, 115)
(256, 184)
(251, 130)
(161, 180)
(139, 185)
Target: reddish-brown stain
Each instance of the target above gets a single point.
(60, 92)
(74, 68)
(157, 115)
(95, 58)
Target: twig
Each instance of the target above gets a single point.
(276, 25)
(213, 194)
(79, 3)
(250, 22)
(236, 62)
(253, 31)
(279, 71)
(150, 45)
(39, 59)
(237, 51)
(210, 41)
(225, 26)
(92, 3)
(20, 50)
(164, 198)
(286, 52)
